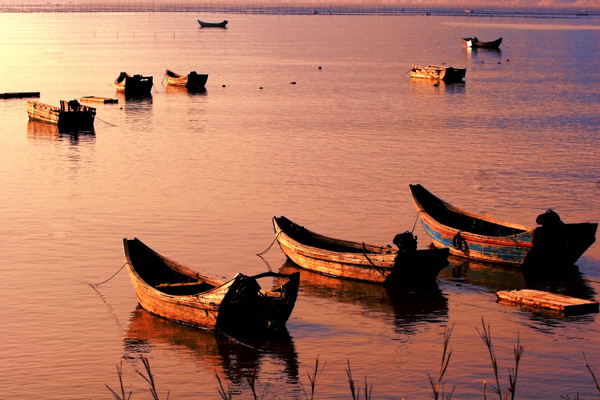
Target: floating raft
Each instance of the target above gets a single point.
(545, 300)
(18, 95)
(96, 99)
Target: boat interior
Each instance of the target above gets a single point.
(458, 220)
(158, 273)
(308, 238)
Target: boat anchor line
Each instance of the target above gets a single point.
(115, 274)
(271, 245)
(380, 270)
(107, 123)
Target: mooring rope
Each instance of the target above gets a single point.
(115, 274)
(107, 123)
(379, 269)
(271, 245)
(233, 339)
(416, 220)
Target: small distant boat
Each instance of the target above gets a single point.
(96, 99)
(191, 80)
(204, 24)
(18, 95)
(136, 85)
(405, 266)
(477, 44)
(446, 74)
(478, 237)
(174, 291)
(70, 116)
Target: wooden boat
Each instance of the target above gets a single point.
(478, 237)
(174, 291)
(446, 74)
(477, 44)
(97, 99)
(136, 85)
(18, 95)
(191, 80)
(70, 116)
(405, 266)
(204, 24)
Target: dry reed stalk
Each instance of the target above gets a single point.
(356, 394)
(446, 354)
(120, 374)
(518, 350)
(313, 379)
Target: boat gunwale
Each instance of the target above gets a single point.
(422, 210)
(358, 257)
(177, 267)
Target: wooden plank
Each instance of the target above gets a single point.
(545, 300)
(18, 95)
(105, 100)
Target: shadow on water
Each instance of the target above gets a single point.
(483, 54)
(178, 90)
(436, 86)
(49, 132)
(231, 359)
(493, 277)
(498, 277)
(408, 308)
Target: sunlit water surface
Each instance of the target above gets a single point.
(314, 118)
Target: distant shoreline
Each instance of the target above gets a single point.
(72, 7)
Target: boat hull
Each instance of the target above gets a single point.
(446, 74)
(67, 119)
(171, 290)
(191, 81)
(359, 261)
(204, 24)
(476, 44)
(134, 86)
(557, 245)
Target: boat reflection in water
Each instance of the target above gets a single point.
(436, 86)
(495, 277)
(43, 131)
(231, 359)
(179, 90)
(407, 309)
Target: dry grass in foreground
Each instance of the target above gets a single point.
(437, 384)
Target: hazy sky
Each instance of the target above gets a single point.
(323, 3)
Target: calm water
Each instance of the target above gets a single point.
(199, 176)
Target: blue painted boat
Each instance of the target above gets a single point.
(473, 236)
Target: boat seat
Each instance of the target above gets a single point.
(184, 288)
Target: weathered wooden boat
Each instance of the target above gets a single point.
(478, 237)
(446, 74)
(192, 80)
(204, 24)
(405, 266)
(174, 291)
(477, 44)
(136, 85)
(70, 116)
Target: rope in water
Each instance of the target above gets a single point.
(115, 274)
(271, 245)
(107, 123)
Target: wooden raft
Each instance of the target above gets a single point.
(96, 99)
(19, 95)
(545, 300)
